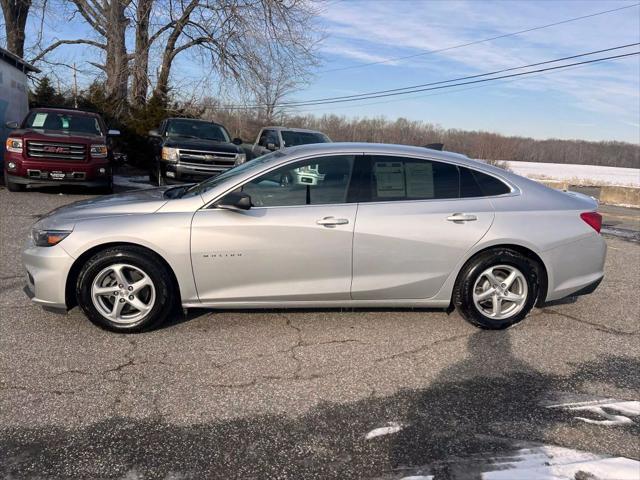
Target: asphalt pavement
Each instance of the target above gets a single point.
(326, 394)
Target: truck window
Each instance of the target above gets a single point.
(65, 122)
(197, 129)
(292, 138)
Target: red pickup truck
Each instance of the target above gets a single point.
(56, 146)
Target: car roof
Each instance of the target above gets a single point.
(194, 120)
(65, 110)
(381, 149)
(304, 130)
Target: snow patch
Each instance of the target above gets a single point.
(393, 427)
(557, 463)
(132, 182)
(578, 174)
(625, 409)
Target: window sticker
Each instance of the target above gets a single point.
(419, 177)
(389, 179)
(38, 121)
(65, 122)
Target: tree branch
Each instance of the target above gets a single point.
(57, 44)
(90, 15)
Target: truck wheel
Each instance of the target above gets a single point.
(155, 177)
(107, 189)
(14, 187)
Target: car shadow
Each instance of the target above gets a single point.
(472, 417)
(180, 317)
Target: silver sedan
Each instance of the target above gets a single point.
(326, 225)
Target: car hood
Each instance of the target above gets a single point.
(129, 203)
(57, 135)
(201, 144)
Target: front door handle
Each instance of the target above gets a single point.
(461, 217)
(332, 221)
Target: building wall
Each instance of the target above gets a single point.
(14, 103)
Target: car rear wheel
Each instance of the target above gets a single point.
(125, 289)
(497, 289)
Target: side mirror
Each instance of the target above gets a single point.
(119, 158)
(271, 146)
(113, 133)
(12, 125)
(236, 201)
(154, 133)
(237, 141)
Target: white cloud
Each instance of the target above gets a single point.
(383, 30)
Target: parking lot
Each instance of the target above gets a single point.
(293, 394)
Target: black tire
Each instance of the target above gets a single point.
(165, 295)
(14, 187)
(473, 269)
(108, 187)
(155, 177)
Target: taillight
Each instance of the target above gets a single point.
(593, 219)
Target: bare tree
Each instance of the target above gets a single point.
(227, 36)
(15, 20)
(140, 65)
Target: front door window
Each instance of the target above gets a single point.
(319, 181)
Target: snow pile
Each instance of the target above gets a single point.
(549, 462)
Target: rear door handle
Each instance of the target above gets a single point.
(461, 217)
(332, 221)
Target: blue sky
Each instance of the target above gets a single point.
(597, 102)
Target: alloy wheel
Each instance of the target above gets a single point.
(500, 292)
(123, 293)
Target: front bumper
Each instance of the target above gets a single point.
(176, 172)
(103, 182)
(46, 172)
(47, 269)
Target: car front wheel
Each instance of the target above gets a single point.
(125, 289)
(497, 289)
(14, 187)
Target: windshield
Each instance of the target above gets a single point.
(212, 182)
(197, 129)
(292, 138)
(69, 122)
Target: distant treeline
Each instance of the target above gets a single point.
(475, 144)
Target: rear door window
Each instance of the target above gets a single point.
(387, 178)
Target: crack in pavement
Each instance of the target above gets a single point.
(420, 348)
(596, 326)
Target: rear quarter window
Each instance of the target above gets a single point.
(478, 184)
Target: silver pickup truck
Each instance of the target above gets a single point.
(275, 138)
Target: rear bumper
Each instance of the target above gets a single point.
(576, 268)
(46, 275)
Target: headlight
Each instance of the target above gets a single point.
(48, 238)
(14, 145)
(169, 154)
(241, 158)
(98, 151)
